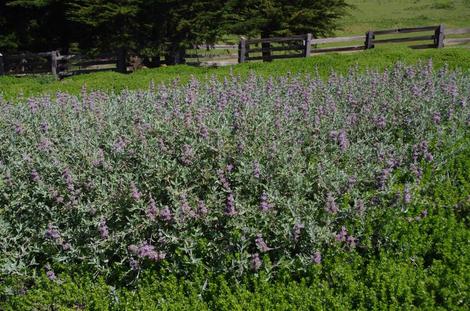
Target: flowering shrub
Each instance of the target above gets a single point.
(236, 176)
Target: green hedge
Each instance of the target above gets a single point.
(409, 262)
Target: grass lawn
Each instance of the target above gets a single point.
(379, 58)
(367, 15)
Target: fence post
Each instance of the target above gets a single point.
(2, 68)
(369, 44)
(266, 47)
(242, 50)
(121, 62)
(308, 45)
(439, 37)
(180, 55)
(54, 62)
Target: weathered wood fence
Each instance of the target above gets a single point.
(53, 62)
(266, 49)
(305, 45)
(45, 62)
(66, 65)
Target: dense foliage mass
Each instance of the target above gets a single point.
(151, 28)
(230, 177)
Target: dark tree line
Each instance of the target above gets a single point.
(151, 28)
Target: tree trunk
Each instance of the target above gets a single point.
(2, 68)
(152, 62)
(122, 60)
(180, 56)
(175, 56)
(266, 53)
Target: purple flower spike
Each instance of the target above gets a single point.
(66, 246)
(19, 129)
(265, 205)
(316, 258)
(230, 206)
(384, 175)
(133, 249)
(359, 205)
(119, 145)
(136, 195)
(134, 264)
(428, 157)
(256, 170)
(52, 233)
(35, 176)
(51, 275)
(261, 244)
(407, 195)
(297, 231)
(152, 210)
(417, 171)
(186, 210)
(45, 144)
(352, 181)
(44, 127)
(436, 117)
(255, 262)
(187, 155)
(165, 214)
(381, 122)
(341, 236)
(351, 241)
(331, 206)
(100, 158)
(343, 140)
(223, 180)
(103, 229)
(204, 132)
(68, 179)
(148, 251)
(201, 208)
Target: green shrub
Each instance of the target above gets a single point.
(420, 264)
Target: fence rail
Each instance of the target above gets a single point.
(405, 30)
(337, 39)
(265, 49)
(437, 39)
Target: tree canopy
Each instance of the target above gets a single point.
(283, 17)
(155, 27)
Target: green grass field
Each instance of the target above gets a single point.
(378, 58)
(367, 15)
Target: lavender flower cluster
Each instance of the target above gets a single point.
(219, 173)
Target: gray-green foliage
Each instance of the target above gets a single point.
(119, 181)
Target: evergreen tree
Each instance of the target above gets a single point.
(189, 22)
(283, 17)
(266, 18)
(38, 25)
(153, 27)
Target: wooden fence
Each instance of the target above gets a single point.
(26, 62)
(248, 50)
(77, 64)
(212, 54)
(59, 65)
(305, 45)
(66, 65)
